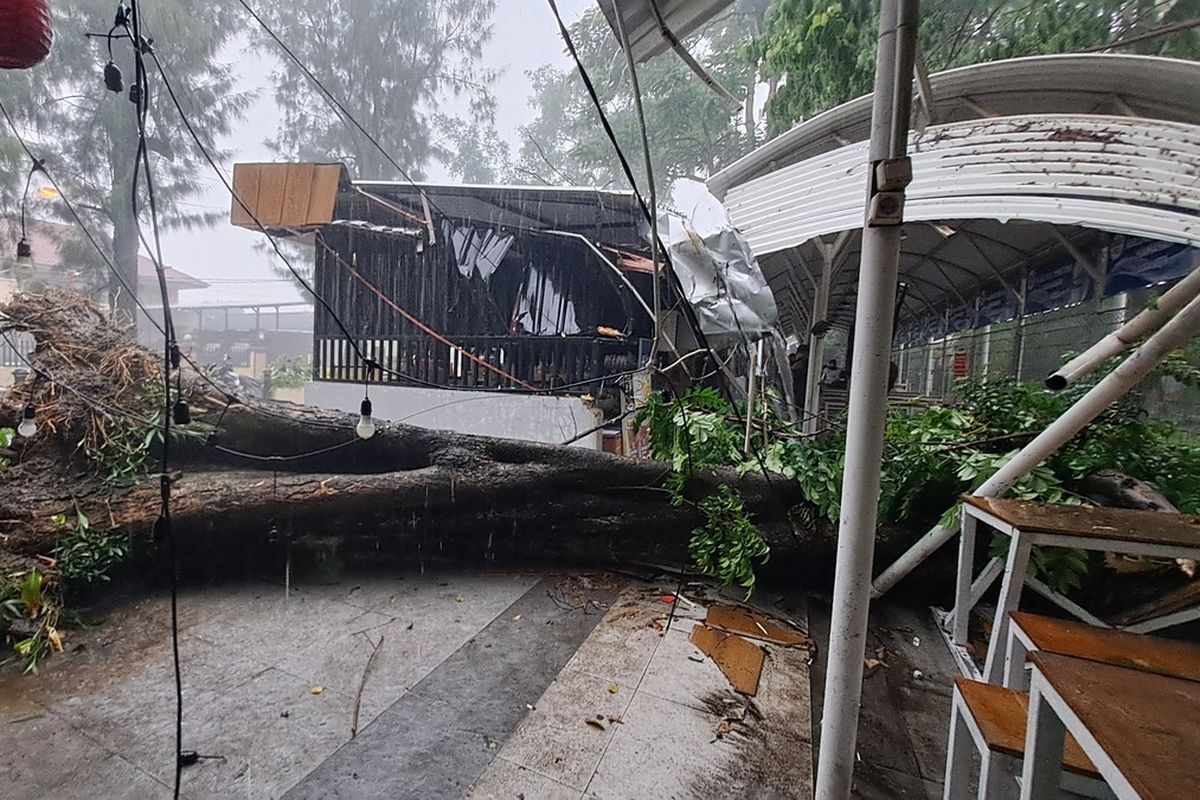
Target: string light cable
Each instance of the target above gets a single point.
(83, 227)
(151, 425)
(689, 312)
(139, 95)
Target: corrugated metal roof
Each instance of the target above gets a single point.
(1147, 87)
(1119, 174)
(1032, 162)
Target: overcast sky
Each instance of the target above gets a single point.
(526, 37)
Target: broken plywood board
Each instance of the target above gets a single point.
(740, 660)
(734, 619)
(285, 196)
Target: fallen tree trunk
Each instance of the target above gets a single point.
(234, 470)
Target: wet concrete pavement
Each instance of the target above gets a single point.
(482, 686)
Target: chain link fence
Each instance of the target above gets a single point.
(1031, 348)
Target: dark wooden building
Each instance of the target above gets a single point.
(459, 286)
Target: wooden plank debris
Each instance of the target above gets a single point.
(740, 660)
(733, 619)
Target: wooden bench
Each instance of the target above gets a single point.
(994, 719)
(1029, 524)
(1032, 632)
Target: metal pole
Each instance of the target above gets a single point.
(1173, 335)
(816, 345)
(752, 394)
(868, 399)
(1128, 334)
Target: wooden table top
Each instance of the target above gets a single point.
(1119, 648)
(1117, 524)
(1147, 724)
(1002, 716)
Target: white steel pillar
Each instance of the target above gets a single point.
(816, 344)
(892, 106)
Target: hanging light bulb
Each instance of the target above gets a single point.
(24, 256)
(366, 425)
(28, 426)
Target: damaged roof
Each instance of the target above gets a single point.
(603, 215)
(1029, 194)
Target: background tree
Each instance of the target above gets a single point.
(89, 135)
(823, 53)
(693, 132)
(392, 63)
(473, 151)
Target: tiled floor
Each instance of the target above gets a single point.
(636, 714)
(103, 712)
(270, 682)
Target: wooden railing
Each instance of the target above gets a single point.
(570, 363)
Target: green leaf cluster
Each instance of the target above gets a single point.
(86, 554)
(931, 456)
(823, 53)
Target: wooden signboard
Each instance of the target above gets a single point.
(285, 196)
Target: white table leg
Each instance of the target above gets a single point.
(966, 568)
(996, 780)
(1015, 675)
(1044, 738)
(958, 752)
(1010, 598)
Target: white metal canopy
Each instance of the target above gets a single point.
(1145, 87)
(978, 184)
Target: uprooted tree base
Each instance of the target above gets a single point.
(476, 495)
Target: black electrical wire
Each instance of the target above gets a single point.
(349, 117)
(100, 251)
(148, 424)
(230, 397)
(689, 312)
(140, 96)
(276, 459)
(370, 364)
(45, 374)
(333, 102)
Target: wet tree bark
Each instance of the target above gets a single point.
(235, 474)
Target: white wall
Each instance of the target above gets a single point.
(532, 418)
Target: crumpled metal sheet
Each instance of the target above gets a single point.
(477, 249)
(719, 274)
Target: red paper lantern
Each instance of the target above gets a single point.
(25, 34)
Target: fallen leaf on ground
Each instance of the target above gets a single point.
(613, 688)
(516, 617)
(668, 598)
(595, 723)
(460, 599)
(316, 690)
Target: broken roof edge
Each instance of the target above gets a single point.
(516, 187)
